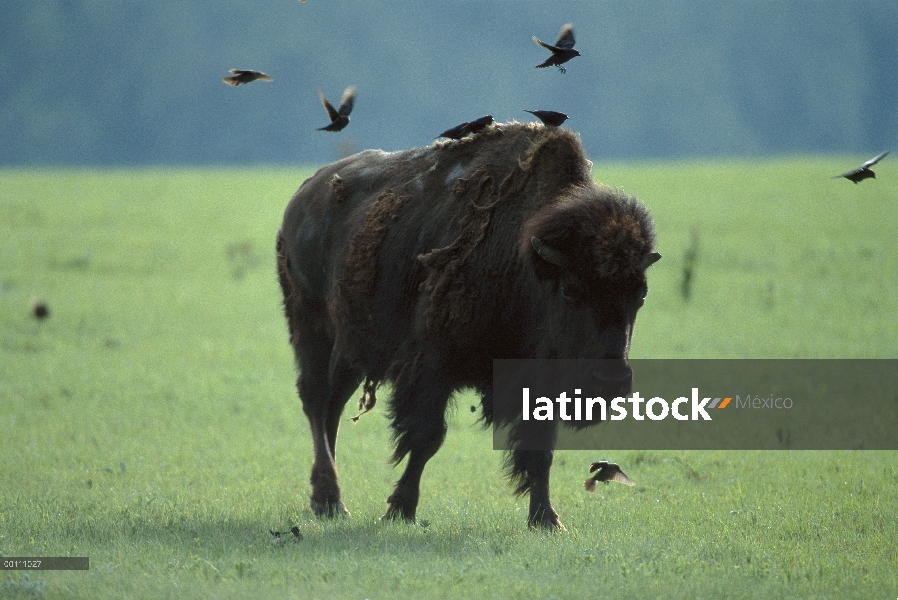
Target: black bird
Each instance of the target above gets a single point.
(862, 172)
(39, 309)
(605, 471)
(550, 118)
(339, 117)
(240, 76)
(562, 51)
(455, 133)
(477, 125)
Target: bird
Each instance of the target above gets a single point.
(550, 118)
(455, 133)
(562, 51)
(606, 471)
(40, 310)
(339, 117)
(245, 76)
(477, 125)
(864, 171)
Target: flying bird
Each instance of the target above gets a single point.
(455, 133)
(339, 117)
(239, 76)
(550, 118)
(562, 51)
(477, 125)
(605, 471)
(864, 171)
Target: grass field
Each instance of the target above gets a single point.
(151, 422)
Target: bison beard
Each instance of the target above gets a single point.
(419, 267)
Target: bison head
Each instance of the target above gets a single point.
(590, 249)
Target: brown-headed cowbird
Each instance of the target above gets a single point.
(477, 125)
(550, 118)
(240, 76)
(864, 171)
(562, 51)
(605, 471)
(455, 133)
(339, 117)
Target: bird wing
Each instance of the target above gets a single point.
(849, 173)
(874, 160)
(590, 485)
(566, 37)
(621, 478)
(331, 111)
(346, 101)
(262, 76)
(233, 80)
(544, 45)
(597, 465)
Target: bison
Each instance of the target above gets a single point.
(417, 268)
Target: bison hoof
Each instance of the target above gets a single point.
(396, 513)
(547, 523)
(329, 509)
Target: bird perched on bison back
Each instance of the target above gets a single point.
(473, 127)
(605, 471)
(562, 51)
(550, 118)
(455, 133)
(239, 76)
(477, 125)
(864, 171)
(339, 117)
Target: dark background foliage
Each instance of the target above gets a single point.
(116, 82)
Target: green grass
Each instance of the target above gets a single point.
(151, 423)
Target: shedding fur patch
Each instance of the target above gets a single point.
(339, 188)
(368, 399)
(357, 286)
(451, 293)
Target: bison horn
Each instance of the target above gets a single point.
(548, 254)
(650, 259)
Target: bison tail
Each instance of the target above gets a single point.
(516, 471)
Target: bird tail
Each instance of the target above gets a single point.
(231, 81)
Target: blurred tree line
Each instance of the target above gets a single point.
(119, 82)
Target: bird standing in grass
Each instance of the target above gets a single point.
(239, 76)
(339, 117)
(864, 171)
(562, 51)
(550, 118)
(605, 471)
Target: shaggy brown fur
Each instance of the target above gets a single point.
(417, 268)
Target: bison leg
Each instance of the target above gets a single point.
(324, 392)
(419, 428)
(530, 469)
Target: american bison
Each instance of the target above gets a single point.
(419, 267)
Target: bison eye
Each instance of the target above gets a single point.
(642, 294)
(563, 291)
(571, 291)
